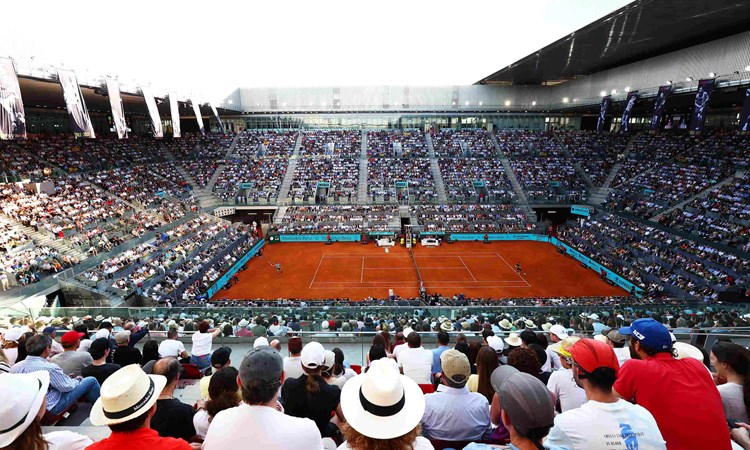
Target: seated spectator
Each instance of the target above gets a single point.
(172, 418)
(100, 368)
(219, 359)
(679, 393)
(605, 420)
(732, 363)
(453, 413)
(125, 354)
(171, 346)
(4, 367)
(310, 396)
(399, 406)
(72, 361)
(443, 341)
(292, 363)
(416, 361)
(150, 352)
(480, 382)
(567, 393)
(127, 406)
(222, 394)
(201, 351)
(617, 342)
(340, 373)
(63, 391)
(57, 348)
(258, 419)
(22, 411)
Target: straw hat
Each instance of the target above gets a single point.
(126, 394)
(505, 324)
(446, 326)
(513, 340)
(382, 404)
(23, 396)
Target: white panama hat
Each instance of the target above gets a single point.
(23, 395)
(126, 394)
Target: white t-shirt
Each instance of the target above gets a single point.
(417, 364)
(11, 354)
(733, 401)
(261, 427)
(202, 343)
(614, 426)
(172, 347)
(420, 443)
(293, 367)
(399, 348)
(566, 390)
(67, 440)
(623, 354)
(201, 423)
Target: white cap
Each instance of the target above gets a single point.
(407, 332)
(559, 331)
(330, 359)
(594, 316)
(324, 325)
(260, 341)
(313, 355)
(496, 343)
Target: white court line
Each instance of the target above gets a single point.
(316, 271)
(467, 268)
(404, 268)
(513, 269)
(470, 283)
(427, 286)
(362, 274)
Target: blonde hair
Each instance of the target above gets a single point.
(358, 441)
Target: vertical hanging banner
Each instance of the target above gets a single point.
(632, 99)
(153, 111)
(118, 112)
(700, 106)
(745, 116)
(79, 115)
(174, 108)
(606, 100)
(198, 117)
(12, 116)
(659, 104)
(218, 119)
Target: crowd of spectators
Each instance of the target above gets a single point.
(464, 143)
(341, 173)
(268, 143)
(471, 218)
(329, 218)
(335, 143)
(460, 174)
(384, 144)
(384, 173)
(265, 175)
(596, 153)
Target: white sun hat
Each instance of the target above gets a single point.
(685, 350)
(382, 403)
(126, 394)
(513, 340)
(23, 395)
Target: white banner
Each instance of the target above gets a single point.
(218, 119)
(153, 111)
(174, 107)
(198, 117)
(118, 112)
(12, 116)
(79, 115)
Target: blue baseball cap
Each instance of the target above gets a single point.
(650, 333)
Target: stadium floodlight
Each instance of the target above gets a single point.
(627, 89)
(480, 103)
(565, 100)
(712, 74)
(454, 103)
(533, 103)
(747, 68)
(669, 82)
(467, 103)
(230, 102)
(689, 79)
(614, 91)
(507, 102)
(603, 93)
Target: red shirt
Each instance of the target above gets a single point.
(681, 396)
(142, 438)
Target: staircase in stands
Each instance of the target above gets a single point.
(362, 184)
(435, 167)
(289, 175)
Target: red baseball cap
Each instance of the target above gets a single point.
(71, 336)
(590, 354)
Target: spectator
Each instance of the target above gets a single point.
(70, 360)
(172, 418)
(171, 346)
(443, 340)
(567, 393)
(605, 420)
(11, 340)
(525, 360)
(732, 363)
(100, 368)
(127, 406)
(416, 361)
(310, 396)
(679, 393)
(21, 412)
(258, 420)
(292, 363)
(376, 352)
(399, 404)
(453, 413)
(341, 373)
(125, 354)
(57, 348)
(201, 352)
(222, 394)
(4, 367)
(150, 352)
(63, 391)
(480, 382)
(617, 342)
(219, 359)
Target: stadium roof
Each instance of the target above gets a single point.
(640, 30)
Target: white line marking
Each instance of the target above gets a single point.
(362, 274)
(316, 271)
(512, 269)
(467, 268)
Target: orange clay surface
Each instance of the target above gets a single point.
(314, 270)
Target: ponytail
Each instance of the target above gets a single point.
(312, 384)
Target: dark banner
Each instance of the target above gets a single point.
(603, 112)
(700, 108)
(198, 117)
(12, 116)
(153, 112)
(118, 113)
(80, 121)
(174, 108)
(745, 116)
(631, 101)
(216, 115)
(659, 104)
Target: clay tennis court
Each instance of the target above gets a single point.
(357, 271)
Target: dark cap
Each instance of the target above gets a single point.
(616, 337)
(105, 324)
(49, 330)
(526, 401)
(220, 357)
(261, 366)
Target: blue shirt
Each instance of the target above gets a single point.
(58, 381)
(436, 358)
(598, 327)
(453, 414)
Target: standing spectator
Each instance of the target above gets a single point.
(71, 361)
(679, 393)
(100, 368)
(171, 346)
(486, 363)
(219, 359)
(453, 413)
(416, 361)
(443, 339)
(732, 363)
(202, 340)
(125, 354)
(222, 394)
(258, 419)
(605, 420)
(127, 406)
(561, 383)
(172, 418)
(293, 362)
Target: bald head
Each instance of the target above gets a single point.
(276, 344)
(169, 368)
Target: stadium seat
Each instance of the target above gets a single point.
(356, 368)
(50, 419)
(191, 372)
(427, 388)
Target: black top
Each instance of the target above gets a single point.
(173, 419)
(101, 373)
(125, 356)
(318, 407)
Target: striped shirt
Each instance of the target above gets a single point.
(58, 381)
